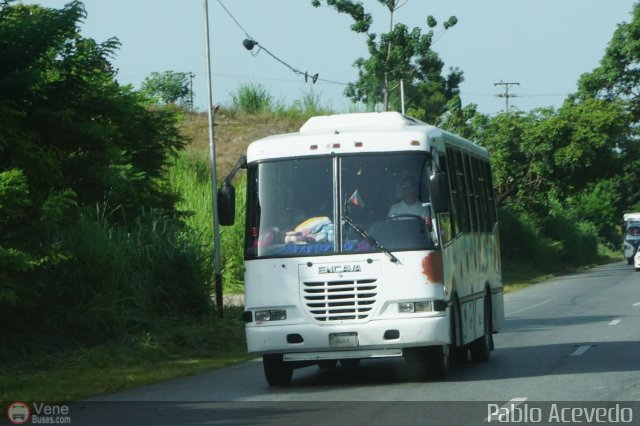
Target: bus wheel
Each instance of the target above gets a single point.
(330, 363)
(277, 372)
(480, 349)
(458, 353)
(350, 363)
(437, 362)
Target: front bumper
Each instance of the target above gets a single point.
(412, 332)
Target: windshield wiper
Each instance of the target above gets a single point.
(364, 234)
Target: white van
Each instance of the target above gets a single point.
(631, 235)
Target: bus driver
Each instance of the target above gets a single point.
(409, 203)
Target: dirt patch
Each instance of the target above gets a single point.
(232, 134)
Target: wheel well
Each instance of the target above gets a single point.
(487, 287)
(455, 307)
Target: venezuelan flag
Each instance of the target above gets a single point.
(356, 199)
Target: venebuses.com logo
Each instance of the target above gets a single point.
(18, 413)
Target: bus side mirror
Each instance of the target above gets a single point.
(439, 189)
(226, 204)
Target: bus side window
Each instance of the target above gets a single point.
(493, 213)
(447, 222)
(471, 192)
(460, 201)
(481, 193)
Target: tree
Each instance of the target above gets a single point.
(71, 136)
(548, 155)
(70, 128)
(465, 121)
(169, 87)
(617, 79)
(400, 54)
(73, 143)
(618, 76)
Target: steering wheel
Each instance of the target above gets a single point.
(403, 217)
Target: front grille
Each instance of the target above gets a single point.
(340, 300)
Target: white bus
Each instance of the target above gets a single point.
(334, 273)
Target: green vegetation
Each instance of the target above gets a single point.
(190, 176)
(251, 100)
(170, 349)
(168, 88)
(91, 244)
(399, 55)
(106, 256)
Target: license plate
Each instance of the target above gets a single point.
(343, 340)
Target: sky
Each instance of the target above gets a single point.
(544, 45)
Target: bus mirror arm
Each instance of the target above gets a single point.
(240, 164)
(227, 195)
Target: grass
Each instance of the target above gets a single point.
(189, 175)
(175, 350)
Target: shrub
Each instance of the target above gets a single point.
(104, 281)
(579, 238)
(521, 240)
(252, 99)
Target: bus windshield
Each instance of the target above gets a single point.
(633, 231)
(308, 206)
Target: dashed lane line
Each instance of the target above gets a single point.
(581, 350)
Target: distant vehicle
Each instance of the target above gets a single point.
(354, 280)
(636, 261)
(631, 235)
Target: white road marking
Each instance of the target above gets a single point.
(615, 322)
(581, 350)
(504, 415)
(636, 304)
(530, 307)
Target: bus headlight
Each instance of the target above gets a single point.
(271, 315)
(411, 307)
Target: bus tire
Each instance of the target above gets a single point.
(480, 349)
(437, 362)
(350, 363)
(326, 364)
(276, 371)
(458, 353)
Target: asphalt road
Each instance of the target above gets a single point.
(572, 342)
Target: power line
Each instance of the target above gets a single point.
(525, 95)
(235, 20)
(249, 43)
(506, 94)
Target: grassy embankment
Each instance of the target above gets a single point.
(175, 349)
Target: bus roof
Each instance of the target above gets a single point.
(358, 122)
(628, 217)
(355, 133)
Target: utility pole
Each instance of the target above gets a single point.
(191, 77)
(506, 94)
(212, 160)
